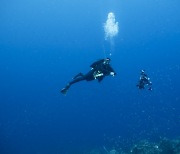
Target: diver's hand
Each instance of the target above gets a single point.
(112, 73)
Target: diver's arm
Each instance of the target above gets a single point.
(111, 70)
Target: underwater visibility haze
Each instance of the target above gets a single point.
(44, 44)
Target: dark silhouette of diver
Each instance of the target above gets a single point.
(99, 70)
(144, 81)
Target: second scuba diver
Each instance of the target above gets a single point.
(144, 81)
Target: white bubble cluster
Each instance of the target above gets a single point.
(111, 26)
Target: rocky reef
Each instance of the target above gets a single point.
(164, 146)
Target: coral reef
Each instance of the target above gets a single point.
(164, 146)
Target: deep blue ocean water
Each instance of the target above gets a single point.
(43, 44)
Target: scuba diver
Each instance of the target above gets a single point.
(99, 70)
(144, 81)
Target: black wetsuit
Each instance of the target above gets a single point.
(144, 81)
(98, 71)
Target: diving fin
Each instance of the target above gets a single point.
(64, 91)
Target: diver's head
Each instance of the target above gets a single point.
(107, 61)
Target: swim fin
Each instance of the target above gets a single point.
(64, 91)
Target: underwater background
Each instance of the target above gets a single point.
(44, 43)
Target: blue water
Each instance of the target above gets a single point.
(43, 44)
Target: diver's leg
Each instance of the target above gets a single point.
(78, 75)
(89, 76)
(80, 78)
(64, 90)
